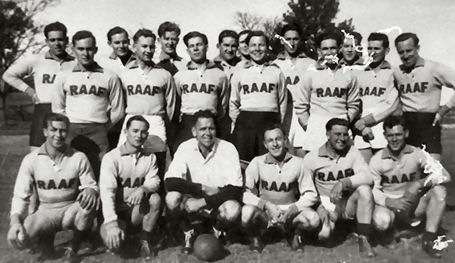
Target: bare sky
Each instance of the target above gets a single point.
(432, 20)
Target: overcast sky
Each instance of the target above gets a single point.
(432, 20)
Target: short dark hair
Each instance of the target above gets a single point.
(290, 27)
(375, 36)
(143, 32)
(228, 33)
(194, 34)
(114, 31)
(56, 26)
(328, 35)
(406, 36)
(272, 126)
(137, 118)
(50, 117)
(243, 32)
(392, 121)
(204, 114)
(357, 36)
(168, 27)
(83, 34)
(257, 33)
(336, 121)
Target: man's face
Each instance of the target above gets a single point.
(119, 44)
(205, 132)
(55, 133)
(408, 52)
(257, 48)
(396, 137)
(348, 49)
(243, 46)
(293, 38)
(338, 137)
(169, 41)
(274, 142)
(197, 49)
(228, 48)
(328, 47)
(136, 134)
(56, 41)
(144, 48)
(379, 51)
(85, 50)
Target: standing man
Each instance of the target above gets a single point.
(403, 190)
(349, 50)
(327, 92)
(66, 190)
(258, 97)
(343, 183)
(293, 63)
(43, 68)
(228, 44)
(420, 82)
(378, 95)
(278, 193)
(150, 89)
(243, 49)
(129, 184)
(169, 33)
(204, 181)
(118, 39)
(201, 86)
(91, 97)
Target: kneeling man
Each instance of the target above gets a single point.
(408, 185)
(204, 181)
(342, 180)
(278, 192)
(128, 185)
(66, 189)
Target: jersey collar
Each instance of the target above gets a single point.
(125, 151)
(269, 159)
(384, 65)
(420, 63)
(208, 65)
(67, 57)
(133, 64)
(43, 151)
(95, 68)
(164, 56)
(325, 151)
(387, 154)
(220, 60)
(284, 56)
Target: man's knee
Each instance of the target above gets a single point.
(230, 210)
(439, 192)
(365, 194)
(382, 218)
(173, 200)
(154, 201)
(248, 213)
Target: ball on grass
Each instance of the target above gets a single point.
(208, 248)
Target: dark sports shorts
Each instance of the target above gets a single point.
(36, 130)
(421, 131)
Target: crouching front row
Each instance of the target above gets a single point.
(205, 190)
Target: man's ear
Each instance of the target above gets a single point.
(218, 45)
(406, 133)
(193, 131)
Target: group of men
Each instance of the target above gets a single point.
(238, 142)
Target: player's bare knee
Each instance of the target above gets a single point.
(439, 192)
(382, 220)
(173, 200)
(248, 213)
(365, 194)
(313, 219)
(230, 210)
(154, 202)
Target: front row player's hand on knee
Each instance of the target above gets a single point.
(273, 211)
(136, 197)
(397, 204)
(337, 191)
(193, 205)
(16, 235)
(289, 213)
(114, 236)
(88, 198)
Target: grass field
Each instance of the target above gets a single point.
(14, 146)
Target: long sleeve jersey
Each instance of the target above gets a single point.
(55, 180)
(89, 96)
(265, 181)
(205, 89)
(392, 174)
(114, 63)
(219, 168)
(149, 91)
(293, 70)
(258, 88)
(377, 92)
(327, 169)
(420, 89)
(171, 64)
(43, 68)
(122, 172)
(327, 93)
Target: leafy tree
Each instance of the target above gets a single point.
(17, 34)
